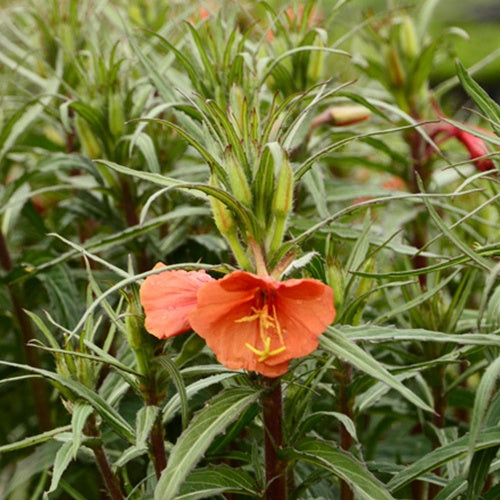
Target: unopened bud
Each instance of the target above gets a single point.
(395, 68)
(366, 283)
(283, 195)
(133, 326)
(237, 179)
(316, 62)
(408, 38)
(116, 117)
(223, 217)
(339, 116)
(336, 280)
(87, 138)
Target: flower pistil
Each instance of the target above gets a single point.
(267, 322)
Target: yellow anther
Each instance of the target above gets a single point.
(266, 322)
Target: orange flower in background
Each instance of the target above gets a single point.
(168, 298)
(475, 145)
(255, 323)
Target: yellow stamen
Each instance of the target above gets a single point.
(266, 352)
(266, 321)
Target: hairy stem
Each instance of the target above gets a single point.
(273, 427)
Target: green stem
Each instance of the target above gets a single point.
(273, 428)
(279, 231)
(238, 252)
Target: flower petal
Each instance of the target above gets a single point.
(168, 298)
(227, 317)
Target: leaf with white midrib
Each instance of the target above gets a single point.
(334, 341)
(440, 456)
(342, 464)
(194, 441)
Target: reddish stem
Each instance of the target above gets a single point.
(109, 478)
(273, 427)
(38, 386)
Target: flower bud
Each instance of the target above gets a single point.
(395, 68)
(336, 280)
(116, 117)
(237, 179)
(133, 326)
(87, 138)
(283, 194)
(223, 217)
(316, 62)
(408, 39)
(339, 116)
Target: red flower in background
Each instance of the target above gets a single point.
(475, 145)
(255, 323)
(168, 298)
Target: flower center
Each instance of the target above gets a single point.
(268, 325)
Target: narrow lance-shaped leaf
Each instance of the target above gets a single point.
(341, 464)
(61, 462)
(109, 415)
(194, 441)
(485, 103)
(210, 482)
(335, 342)
(440, 456)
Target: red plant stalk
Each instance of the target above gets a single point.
(273, 428)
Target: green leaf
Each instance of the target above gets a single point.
(211, 482)
(175, 403)
(334, 341)
(478, 472)
(81, 411)
(485, 103)
(161, 84)
(144, 421)
(440, 456)
(343, 465)
(244, 215)
(454, 488)
(194, 441)
(481, 261)
(109, 415)
(483, 395)
(61, 462)
(372, 333)
(176, 377)
(34, 440)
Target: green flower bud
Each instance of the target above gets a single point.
(116, 117)
(283, 194)
(395, 68)
(408, 39)
(224, 219)
(87, 138)
(237, 179)
(316, 62)
(335, 278)
(133, 326)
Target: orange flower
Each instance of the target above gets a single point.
(168, 298)
(259, 324)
